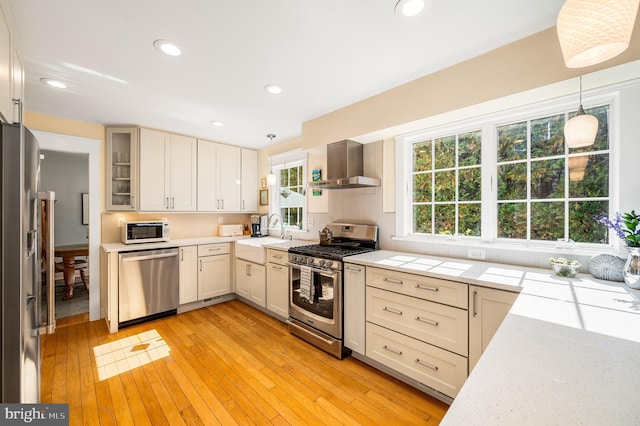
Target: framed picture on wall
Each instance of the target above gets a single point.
(264, 197)
(85, 208)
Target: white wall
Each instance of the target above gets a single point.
(368, 205)
(67, 175)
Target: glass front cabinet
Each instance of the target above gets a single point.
(122, 170)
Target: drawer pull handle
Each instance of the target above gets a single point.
(426, 364)
(395, 351)
(354, 268)
(277, 256)
(215, 249)
(392, 281)
(427, 321)
(392, 310)
(427, 287)
(276, 267)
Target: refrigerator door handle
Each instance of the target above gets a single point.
(49, 326)
(18, 102)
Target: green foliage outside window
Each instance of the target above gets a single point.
(540, 196)
(534, 200)
(291, 197)
(447, 185)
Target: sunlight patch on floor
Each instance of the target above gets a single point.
(128, 353)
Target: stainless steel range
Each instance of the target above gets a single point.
(316, 285)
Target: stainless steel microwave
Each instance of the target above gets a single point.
(145, 231)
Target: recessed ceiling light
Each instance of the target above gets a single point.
(217, 123)
(410, 8)
(166, 47)
(53, 83)
(273, 89)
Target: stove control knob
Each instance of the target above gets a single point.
(310, 261)
(322, 263)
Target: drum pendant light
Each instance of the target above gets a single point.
(271, 178)
(593, 31)
(582, 129)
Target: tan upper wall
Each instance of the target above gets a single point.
(526, 64)
(65, 126)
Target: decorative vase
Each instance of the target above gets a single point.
(632, 268)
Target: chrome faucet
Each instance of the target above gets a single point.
(281, 223)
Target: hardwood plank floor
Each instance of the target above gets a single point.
(225, 364)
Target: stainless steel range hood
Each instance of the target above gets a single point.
(345, 168)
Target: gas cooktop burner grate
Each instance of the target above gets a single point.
(330, 251)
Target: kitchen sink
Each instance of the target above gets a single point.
(253, 250)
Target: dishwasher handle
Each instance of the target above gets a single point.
(149, 257)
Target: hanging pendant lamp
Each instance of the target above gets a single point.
(593, 31)
(582, 129)
(271, 178)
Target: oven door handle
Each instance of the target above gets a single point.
(325, 272)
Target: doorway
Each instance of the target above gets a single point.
(93, 148)
(67, 174)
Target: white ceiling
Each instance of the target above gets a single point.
(325, 54)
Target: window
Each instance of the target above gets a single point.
(535, 199)
(446, 185)
(289, 193)
(508, 180)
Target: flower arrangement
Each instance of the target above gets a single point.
(626, 226)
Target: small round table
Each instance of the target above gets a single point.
(68, 254)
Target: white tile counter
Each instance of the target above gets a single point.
(568, 352)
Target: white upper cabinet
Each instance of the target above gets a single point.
(6, 103)
(183, 176)
(122, 169)
(17, 83)
(249, 201)
(219, 168)
(167, 171)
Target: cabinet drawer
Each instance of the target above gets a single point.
(213, 249)
(443, 326)
(439, 369)
(277, 256)
(428, 288)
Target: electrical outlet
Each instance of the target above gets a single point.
(220, 219)
(475, 254)
(309, 222)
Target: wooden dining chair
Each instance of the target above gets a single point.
(80, 265)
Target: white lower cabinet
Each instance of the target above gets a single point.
(441, 370)
(418, 326)
(277, 283)
(488, 308)
(440, 325)
(251, 281)
(354, 311)
(214, 270)
(205, 271)
(188, 274)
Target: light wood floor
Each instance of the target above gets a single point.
(228, 364)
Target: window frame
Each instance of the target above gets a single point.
(274, 191)
(488, 123)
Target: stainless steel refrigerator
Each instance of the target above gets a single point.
(22, 318)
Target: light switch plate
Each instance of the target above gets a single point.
(309, 222)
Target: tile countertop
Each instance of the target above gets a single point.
(567, 353)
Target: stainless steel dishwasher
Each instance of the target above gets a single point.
(148, 285)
